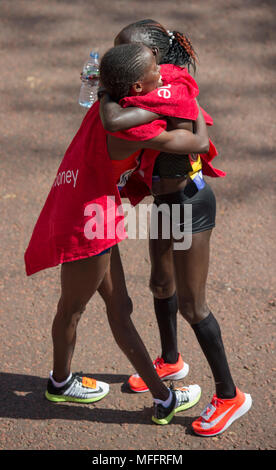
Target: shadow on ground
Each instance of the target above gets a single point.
(22, 397)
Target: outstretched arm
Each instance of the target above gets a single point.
(115, 118)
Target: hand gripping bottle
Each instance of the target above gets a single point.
(90, 81)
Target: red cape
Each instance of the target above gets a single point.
(64, 229)
(84, 183)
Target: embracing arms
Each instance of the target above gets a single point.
(182, 141)
(115, 118)
(178, 140)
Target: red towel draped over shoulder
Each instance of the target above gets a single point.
(175, 98)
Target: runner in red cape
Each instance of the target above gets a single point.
(79, 183)
(178, 277)
(65, 233)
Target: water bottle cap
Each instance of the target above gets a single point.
(95, 55)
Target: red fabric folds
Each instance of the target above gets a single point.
(176, 98)
(83, 199)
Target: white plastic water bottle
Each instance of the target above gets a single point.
(90, 81)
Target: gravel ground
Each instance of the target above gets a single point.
(43, 47)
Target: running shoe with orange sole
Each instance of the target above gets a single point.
(221, 413)
(166, 371)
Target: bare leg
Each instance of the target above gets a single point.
(119, 308)
(79, 281)
(191, 270)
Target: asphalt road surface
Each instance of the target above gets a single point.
(43, 47)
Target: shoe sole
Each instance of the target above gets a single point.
(177, 376)
(186, 406)
(238, 414)
(63, 398)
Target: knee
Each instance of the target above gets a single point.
(162, 289)
(119, 310)
(192, 309)
(69, 308)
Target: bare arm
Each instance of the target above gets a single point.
(182, 141)
(179, 141)
(115, 118)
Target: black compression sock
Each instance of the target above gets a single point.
(209, 337)
(166, 312)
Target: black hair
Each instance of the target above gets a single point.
(174, 47)
(121, 67)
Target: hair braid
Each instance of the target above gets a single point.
(185, 42)
(181, 51)
(174, 47)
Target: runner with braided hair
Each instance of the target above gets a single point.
(173, 46)
(65, 234)
(178, 278)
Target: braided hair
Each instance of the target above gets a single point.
(174, 47)
(121, 67)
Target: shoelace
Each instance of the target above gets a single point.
(182, 396)
(78, 376)
(158, 363)
(216, 401)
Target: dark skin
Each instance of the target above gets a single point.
(116, 118)
(104, 273)
(168, 140)
(184, 271)
(81, 279)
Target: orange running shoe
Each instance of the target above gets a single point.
(166, 371)
(221, 413)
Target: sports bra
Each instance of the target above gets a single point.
(123, 168)
(175, 166)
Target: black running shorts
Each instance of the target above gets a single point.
(203, 203)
